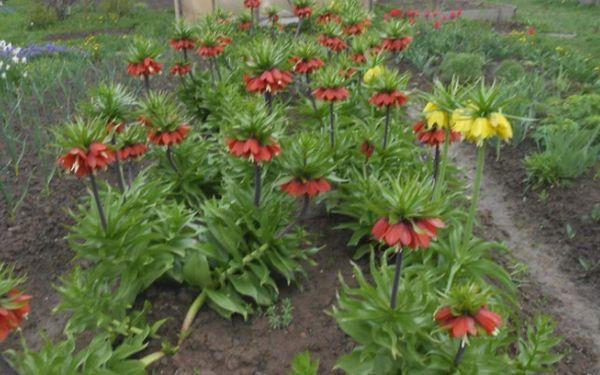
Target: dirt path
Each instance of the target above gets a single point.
(578, 316)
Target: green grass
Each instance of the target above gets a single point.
(14, 26)
(562, 16)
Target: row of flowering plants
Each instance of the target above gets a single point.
(214, 183)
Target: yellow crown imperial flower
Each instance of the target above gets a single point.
(479, 129)
(501, 126)
(372, 74)
(435, 116)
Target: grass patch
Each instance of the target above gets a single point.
(563, 16)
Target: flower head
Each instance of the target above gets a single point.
(252, 4)
(433, 136)
(372, 74)
(331, 38)
(386, 85)
(182, 38)
(307, 167)
(409, 217)
(306, 58)
(161, 115)
(331, 85)
(467, 313)
(181, 69)
(396, 36)
(265, 61)
(311, 188)
(251, 132)
(303, 8)
(85, 145)
(482, 118)
(141, 58)
(367, 148)
(211, 45)
(169, 138)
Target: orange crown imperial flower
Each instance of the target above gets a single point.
(433, 136)
(303, 12)
(333, 43)
(252, 149)
(148, 67)
(252, 4)
(272, 81)
(168, 138)
(13, 312)
(82, 162)
(181, 69)
(211, 51)
(311, 188)
(133, 151)
(306, 66)
(385, 99)
(415, 234)
(331, 94)
(182, 44)
(467, 313)
(397, 45)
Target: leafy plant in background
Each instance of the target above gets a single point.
(465, 66)
(568, 152)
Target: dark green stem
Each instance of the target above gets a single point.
(436, 164)
(98, 202)
(387, 127)
(257, 184)
(331, 127)
(460, 353)
(476, 191)
(171, 160)
(394, 298)
(444, 163)
(269, 101)
(146, 84)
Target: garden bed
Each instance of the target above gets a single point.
(34, 241)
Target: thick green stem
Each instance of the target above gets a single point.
(397, 272)
(387, 127)
(191, 315)
(461, 352)
(475, 195)
(120, 171)
(436, 164)
(331, 127)
(257, 184)
(151, 358)
(269, 101)
(443, 164)
(98, 202)
(146, 84)
(171, 160)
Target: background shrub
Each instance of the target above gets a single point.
(41, 16)
(120, 8)
(569, 151)
(465, 66)
(510, 70)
